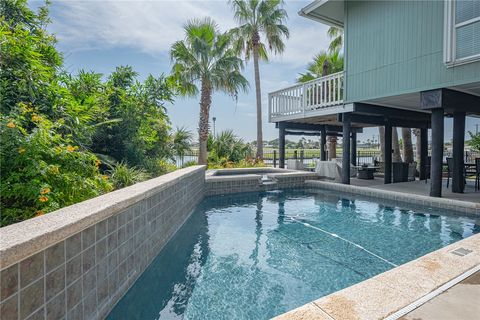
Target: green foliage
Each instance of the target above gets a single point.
(336, 34)
(206, 56)
(181, 141)
(189, 164)
(257, 18)
(324, 63)
(226, 150)
(60, 133)
(124, 176)
(474, 142)
(206, 59)
(42, 170)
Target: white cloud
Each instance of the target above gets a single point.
(152, 26)
(149, 26)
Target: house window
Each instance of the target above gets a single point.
(462, 31)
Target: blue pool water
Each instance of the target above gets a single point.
(256, 255)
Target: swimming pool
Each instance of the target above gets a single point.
(257, 255)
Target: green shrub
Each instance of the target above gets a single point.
(41, 170)
(474, 142)
(123, 176)
(189, 164)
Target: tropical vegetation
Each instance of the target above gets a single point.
(257, 19)
(226, 150)
(205, 62)
(66, 138)
(474, 141)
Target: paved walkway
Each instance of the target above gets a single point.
(459, 302)
(421, 188)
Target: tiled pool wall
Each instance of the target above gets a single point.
(83, 275)
(217, 185)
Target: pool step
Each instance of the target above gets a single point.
(268, 182)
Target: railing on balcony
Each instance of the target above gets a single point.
(306, 99)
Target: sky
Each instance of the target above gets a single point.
(100, 35)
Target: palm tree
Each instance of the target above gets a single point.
(181, 142)
(336, 34)
(206, 58)
(331, 61)
(256, 18)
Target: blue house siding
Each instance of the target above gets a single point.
(396, 47)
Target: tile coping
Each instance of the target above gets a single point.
(21, 240)
(386, 294)
(450, 204)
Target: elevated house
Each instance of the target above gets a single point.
(407, 64)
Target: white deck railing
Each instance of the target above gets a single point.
(304, 99)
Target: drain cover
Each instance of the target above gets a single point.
(461, 252)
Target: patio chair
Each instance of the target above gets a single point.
(412, 170)
(477, 174)
(449, 169)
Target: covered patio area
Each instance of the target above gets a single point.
(419, 187)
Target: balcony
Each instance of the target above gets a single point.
(322, 96)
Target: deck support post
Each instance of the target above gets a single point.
(323, 143)
(387, 178)
(354, 148)
(436, 166)
(281, 145)
(346, 148)
(458, 182)
(423, 153)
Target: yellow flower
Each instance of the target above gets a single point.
(21, 150)
(54, 170)
(11, 124)
(43, 199)
(105, 178)
(35, 118)
(39, 213)
(97, 162)
(45, 190)
(70, 148)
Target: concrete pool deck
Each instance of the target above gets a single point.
(458, 302)
(387, 294)
(411, 193)
(421, 188)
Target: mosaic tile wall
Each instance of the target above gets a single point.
(85, 275)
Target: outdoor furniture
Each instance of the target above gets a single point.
(449, 169)
(412, 170)
(428, 165)
(400, 171)
(294, 164)
(365, 172)
(477, 174)
(329, 170)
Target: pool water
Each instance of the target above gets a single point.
(257, 255)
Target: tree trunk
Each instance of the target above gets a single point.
(258, 95)
(407, 145)
(332, 147)
(396, 157)
(203, 123)
(381, 137)
(416, 132)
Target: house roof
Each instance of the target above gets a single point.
(330, 12)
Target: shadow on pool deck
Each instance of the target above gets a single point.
(458, 302)
(421, 188)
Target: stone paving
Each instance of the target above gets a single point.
(459, 302)
(421, 188)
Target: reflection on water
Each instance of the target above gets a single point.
(253, 256)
